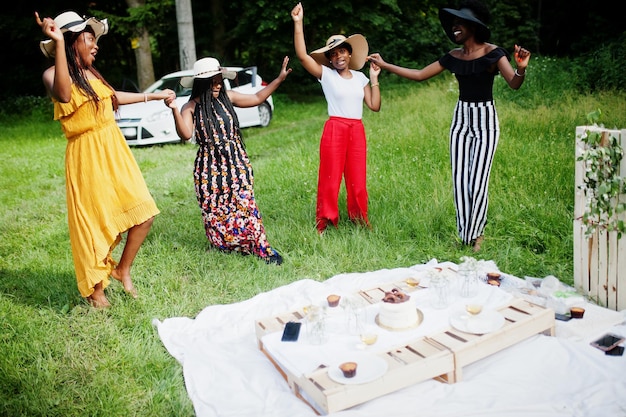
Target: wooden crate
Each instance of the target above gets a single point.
(407, 365)
(522, 320)
(599, 260)
(441, 356)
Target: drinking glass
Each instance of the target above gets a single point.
(316, 325)
(440, 291)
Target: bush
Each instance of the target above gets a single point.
(603, 69)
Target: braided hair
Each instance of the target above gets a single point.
(203, 88)
(76, 68)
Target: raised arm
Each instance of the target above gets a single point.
(251, 100)
(56, 79)
(515, 77)
(412, 74)
(372, 90)
(309, 64)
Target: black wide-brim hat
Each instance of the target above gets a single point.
(447, 16)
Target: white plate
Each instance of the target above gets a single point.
(369, 368)
(486, 322)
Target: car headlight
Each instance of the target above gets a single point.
(129, 132)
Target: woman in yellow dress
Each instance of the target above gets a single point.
(106, 192)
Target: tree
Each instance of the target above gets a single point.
(186, 39)
(141, 46)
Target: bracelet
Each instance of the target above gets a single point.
(145, 97)
(517, 74)
(375, 85)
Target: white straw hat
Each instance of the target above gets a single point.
(206, 68)
(71, 21)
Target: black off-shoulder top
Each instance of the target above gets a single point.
(475, 77)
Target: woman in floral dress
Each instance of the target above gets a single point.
(222, 171)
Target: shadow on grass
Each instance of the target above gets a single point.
(40, 288)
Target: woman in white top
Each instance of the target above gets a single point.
(343, 148)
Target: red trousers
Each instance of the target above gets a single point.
(343, 153)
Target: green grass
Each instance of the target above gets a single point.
(58, 357)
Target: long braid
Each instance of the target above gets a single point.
(76, 68)
(202, 88)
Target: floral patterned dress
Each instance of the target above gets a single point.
(224, 187)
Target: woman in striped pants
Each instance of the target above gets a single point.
(475, 130)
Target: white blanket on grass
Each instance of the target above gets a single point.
(227, 375)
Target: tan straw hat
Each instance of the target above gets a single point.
(359, 50)
(206, 68)
(71, 21)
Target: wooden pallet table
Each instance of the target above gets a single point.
(441, 356)
(522, 320)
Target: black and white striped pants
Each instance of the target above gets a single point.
(474, 137)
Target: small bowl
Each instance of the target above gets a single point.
(577, 312)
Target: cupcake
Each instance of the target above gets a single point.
(333, 300)
(348, 369)
(577, 312)
(493, 278)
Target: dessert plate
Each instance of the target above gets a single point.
(486, 322)
(369, 368)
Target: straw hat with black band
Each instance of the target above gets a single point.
(447, 16)
(72, 22)
(357, 42)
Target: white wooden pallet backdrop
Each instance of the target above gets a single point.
(600, 260)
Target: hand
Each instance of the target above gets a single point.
(374, 69)
(297, 14)
(170, 101)
(522, 56)
(48, 27)
(284, 70)
(377, 60)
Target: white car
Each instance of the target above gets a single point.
(152, 122)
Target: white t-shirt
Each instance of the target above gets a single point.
(344, 96)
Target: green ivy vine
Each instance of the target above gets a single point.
(602, 183)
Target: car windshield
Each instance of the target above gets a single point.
(244, 76)
(172, 84)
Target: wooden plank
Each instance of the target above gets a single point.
(579, 172)
(620, 258)
(612, 272)
(603, 268)
(593, 267)
(621, 270)
(405, 368)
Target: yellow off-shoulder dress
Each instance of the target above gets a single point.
(106, 192)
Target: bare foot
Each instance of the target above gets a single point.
(98, 300)
(126, 282)
(478, 242)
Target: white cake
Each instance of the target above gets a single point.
(397, 311)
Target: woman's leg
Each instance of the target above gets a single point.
(134, 240)
(356, 174)
(332, 160)
(97, 299)
(473, 140)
